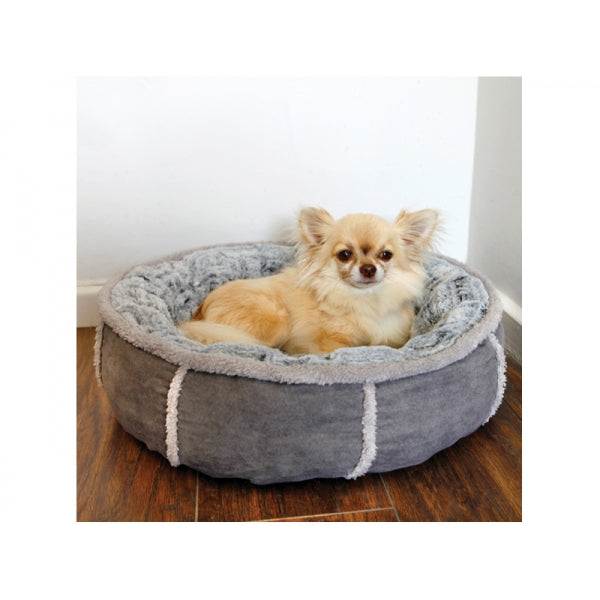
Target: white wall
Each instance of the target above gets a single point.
(495, 244)
(166, 164)
(495, 228)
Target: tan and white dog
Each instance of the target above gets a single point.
(354, 284)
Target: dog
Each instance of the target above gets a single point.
(353, 284)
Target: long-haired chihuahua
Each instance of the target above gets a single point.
(354, 284)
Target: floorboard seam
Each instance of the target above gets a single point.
(197, 492)
(387, 491)
(333, 514)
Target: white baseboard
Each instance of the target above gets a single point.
(512, 322)
(511, 308)
(513, 332)
(87, 304)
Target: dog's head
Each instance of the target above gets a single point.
(364, 250)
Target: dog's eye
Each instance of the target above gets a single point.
(344, 255)
(385, 255)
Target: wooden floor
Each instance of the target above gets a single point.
(119, 479)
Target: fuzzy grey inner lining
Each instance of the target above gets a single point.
(155, 298)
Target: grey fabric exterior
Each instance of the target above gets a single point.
(421, 415)
(246, 412)
(256, 430)
(136, 384)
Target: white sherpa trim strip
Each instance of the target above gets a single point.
(369, 432)
(501, 361)
(98, 352)
(171, 419)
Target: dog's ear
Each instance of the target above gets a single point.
(314, 225)
(418, 228)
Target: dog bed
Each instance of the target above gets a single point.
(256, 413)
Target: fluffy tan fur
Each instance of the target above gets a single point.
(353, 285)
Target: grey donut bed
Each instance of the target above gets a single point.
(256, 413)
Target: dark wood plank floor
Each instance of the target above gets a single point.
(119, 479)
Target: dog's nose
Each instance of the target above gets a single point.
(368, 271)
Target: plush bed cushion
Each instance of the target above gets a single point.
(157, 297)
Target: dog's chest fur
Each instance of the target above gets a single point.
(348, 317)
